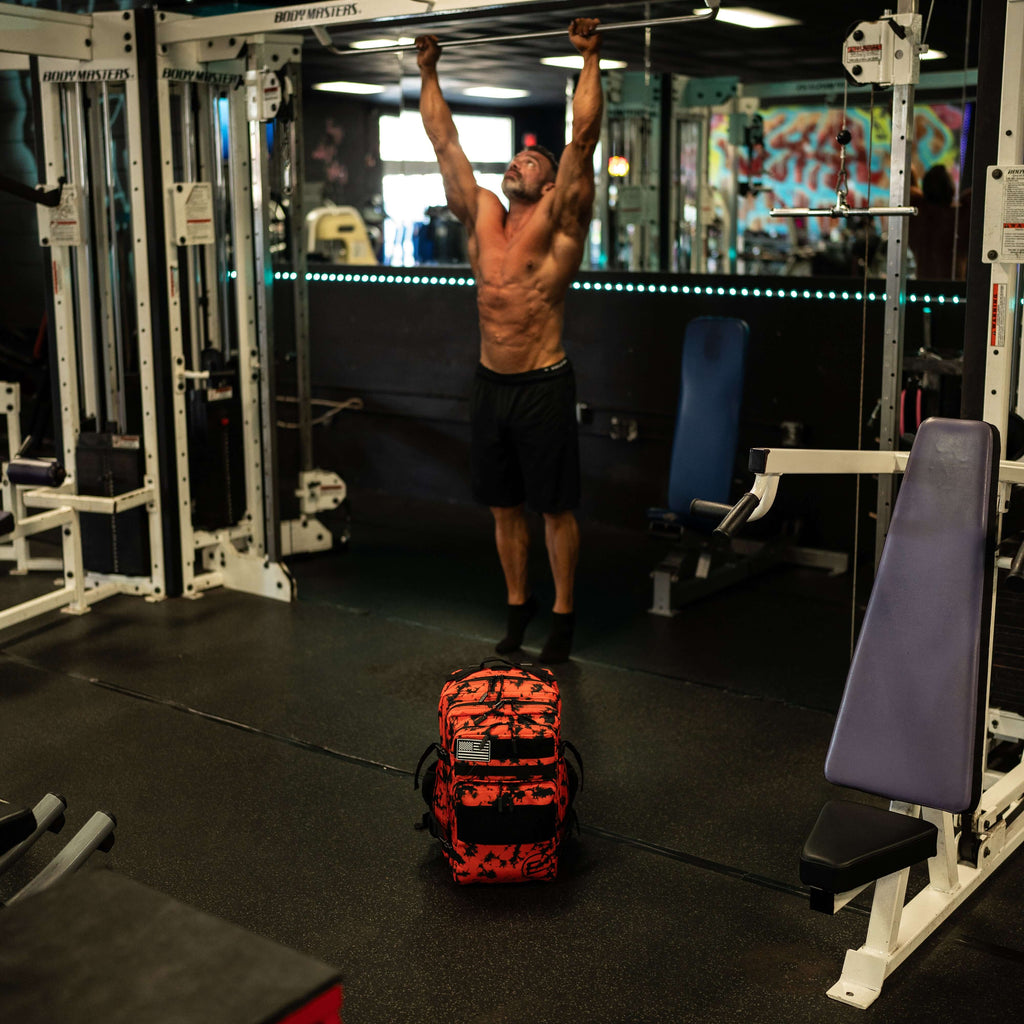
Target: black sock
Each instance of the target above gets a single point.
(560, 641)
(519, 616)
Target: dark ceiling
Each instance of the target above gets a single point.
(808, 51)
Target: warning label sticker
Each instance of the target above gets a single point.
(193, 212)
(65, 220)
(1012, 247)
(870, 51)
(997, 316)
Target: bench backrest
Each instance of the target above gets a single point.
(707, 419)
(911, 722)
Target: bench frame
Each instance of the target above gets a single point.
(970, 847)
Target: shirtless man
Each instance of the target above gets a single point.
(524, 448)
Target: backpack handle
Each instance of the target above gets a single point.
(538, 673)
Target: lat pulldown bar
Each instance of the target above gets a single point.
(708, 15)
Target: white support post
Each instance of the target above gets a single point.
(246, 286)
(63, 326)
(17, 546)
(942, 868)
(896, 264)
(1002, 247)
(865, 969)
(146, 293)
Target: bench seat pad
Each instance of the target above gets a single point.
(853, 844)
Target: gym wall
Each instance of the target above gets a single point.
(405, 342)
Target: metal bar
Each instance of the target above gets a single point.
(709, 15)
(111, 284)
(847, 211)
(307, 16)
(244, 322)
(75, 113)
(45, 33)
(62, 315)
(928, 81)
(58, 500)
(300, 287)
(895, 290)
(260, 171)
(1004, 295)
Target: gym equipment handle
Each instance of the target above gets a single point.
(733, 516)
(33, 195)
(36, 472)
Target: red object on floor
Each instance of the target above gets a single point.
(324, 1009)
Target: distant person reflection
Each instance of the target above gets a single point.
(941, 225)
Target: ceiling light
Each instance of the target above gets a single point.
(577, 62)
(751, 17)
(931, 54)
(493, 92)
(372, 44)
(358, 88)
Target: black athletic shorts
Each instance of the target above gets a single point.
(524, 446)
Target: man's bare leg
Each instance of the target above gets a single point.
(512, 538)
(562, 536)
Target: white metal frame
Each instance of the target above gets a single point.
(234, 556)
(15, 546)
(896, 928)
(969, 850)
(60, 83)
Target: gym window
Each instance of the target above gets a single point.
(412, 183)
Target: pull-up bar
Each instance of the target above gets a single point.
(707, 15)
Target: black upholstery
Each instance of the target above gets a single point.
(852, 844)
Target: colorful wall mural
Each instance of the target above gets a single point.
(798, 164)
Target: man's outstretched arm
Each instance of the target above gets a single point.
(574, 186)
(460, 185)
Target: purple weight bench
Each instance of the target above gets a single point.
(911, 725)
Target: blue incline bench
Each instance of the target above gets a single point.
(699, 515)
(911, 725)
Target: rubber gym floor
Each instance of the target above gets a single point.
(258, 757)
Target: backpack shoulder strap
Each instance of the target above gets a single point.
(566, 745)
(433, 748)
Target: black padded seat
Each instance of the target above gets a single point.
(852, 844)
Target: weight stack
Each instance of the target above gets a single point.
(107, 465)
(215, 462)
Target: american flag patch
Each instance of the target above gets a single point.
(472, 750)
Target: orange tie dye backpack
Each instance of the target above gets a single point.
(500, 793)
